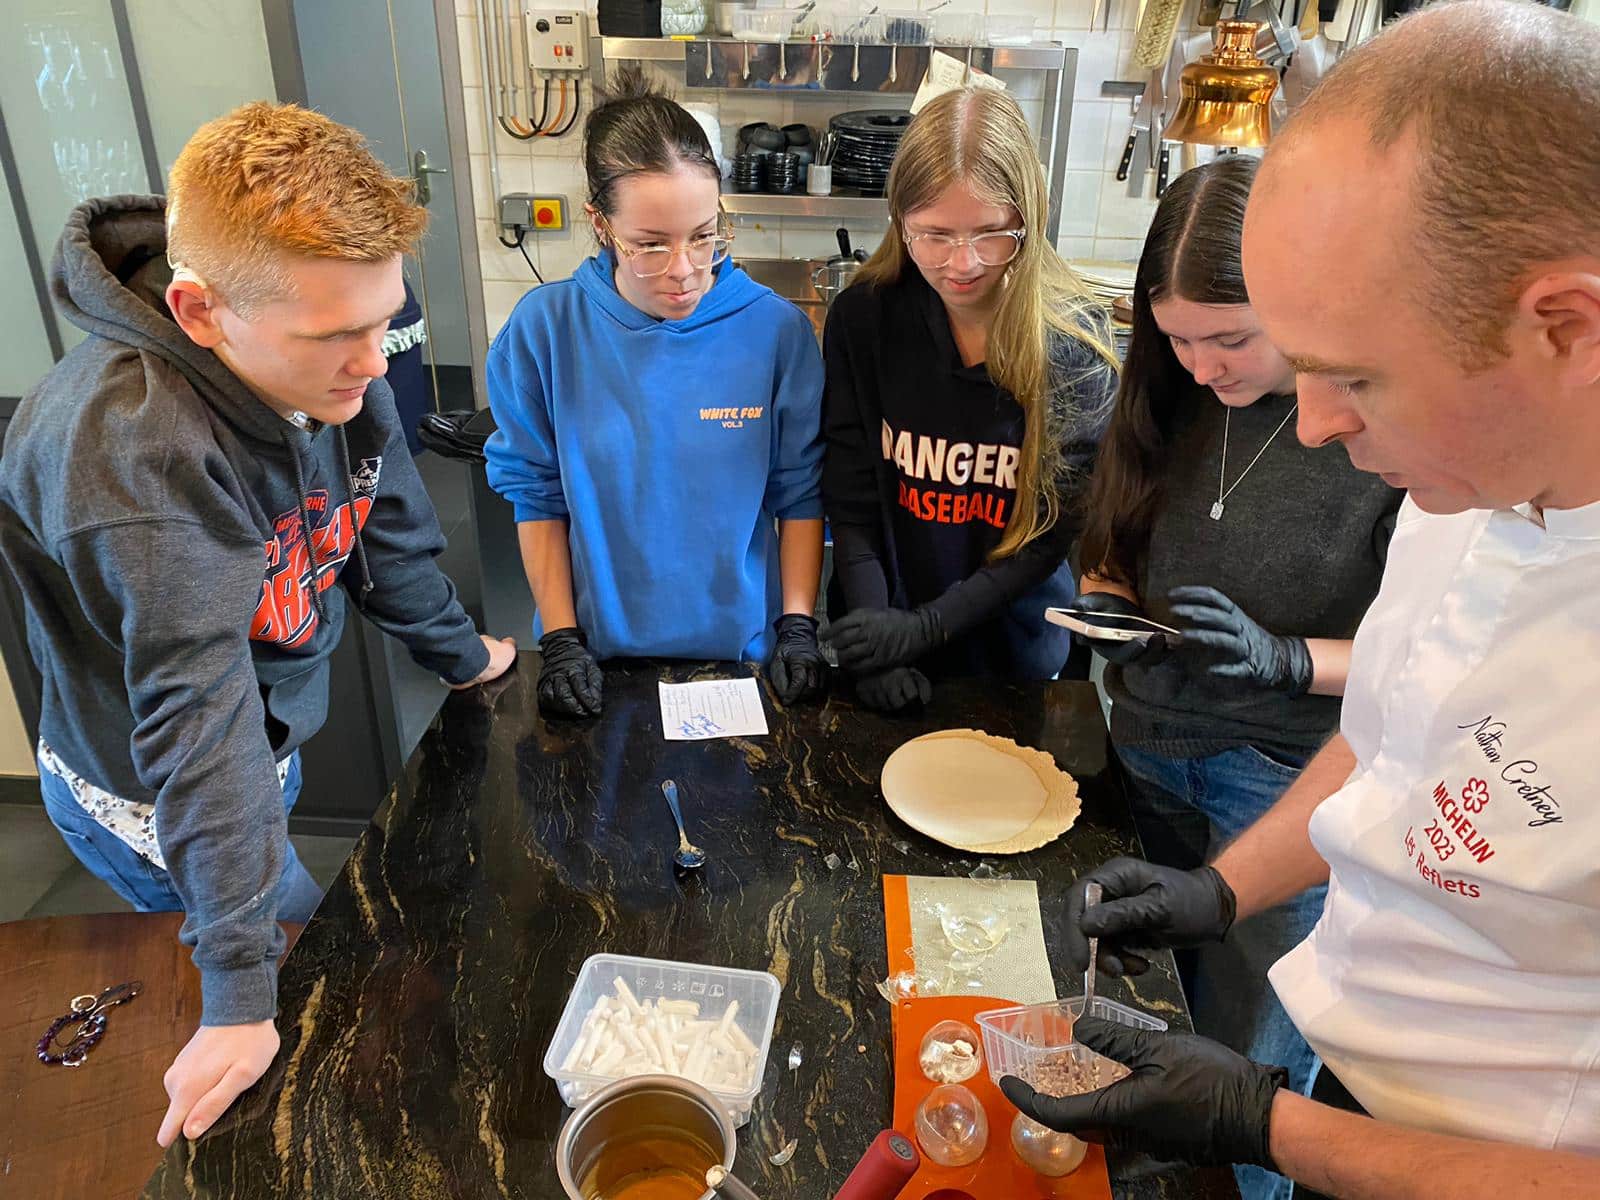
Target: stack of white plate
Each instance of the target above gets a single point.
(1108, 282)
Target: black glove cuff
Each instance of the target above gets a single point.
(798, 628)
(1266, 1083)
(1299, 668)
(1227, 902)
(932, 625)
(563, 645)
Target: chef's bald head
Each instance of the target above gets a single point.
(1489, 112)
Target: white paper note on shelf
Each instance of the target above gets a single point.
(945, 74)
(711, 708)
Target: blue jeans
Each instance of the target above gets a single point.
(148, 887)
(1187, 810)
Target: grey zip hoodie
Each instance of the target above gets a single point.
(156, 517)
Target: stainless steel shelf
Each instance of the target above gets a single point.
(1039, 56)
(800, 69)
(842, 207)
(644, 49)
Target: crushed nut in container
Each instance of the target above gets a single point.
(1068, 1074)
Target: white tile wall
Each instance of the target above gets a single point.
(1099, 218)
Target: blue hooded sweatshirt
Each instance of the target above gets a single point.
(670, 448)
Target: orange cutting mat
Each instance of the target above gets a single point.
(998, 1175)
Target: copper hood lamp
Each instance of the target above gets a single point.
(1227, 94)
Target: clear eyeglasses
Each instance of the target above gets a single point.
(651, 261)
(934, 250)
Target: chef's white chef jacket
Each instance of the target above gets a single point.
(1453, 982)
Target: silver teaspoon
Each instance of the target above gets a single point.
(687, 855)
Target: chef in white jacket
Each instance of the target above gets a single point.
(1442, 187)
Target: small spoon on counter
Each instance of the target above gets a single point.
(1092, 893)
(688, 856)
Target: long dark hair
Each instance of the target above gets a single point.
(1192, 252)
(636, 129)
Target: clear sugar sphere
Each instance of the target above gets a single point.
(1043, 1150)
(952, 1128)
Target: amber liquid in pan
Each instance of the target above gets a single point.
(650, 1167)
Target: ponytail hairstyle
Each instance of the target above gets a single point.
(1191, 253)
(979, 137)
(637, 129)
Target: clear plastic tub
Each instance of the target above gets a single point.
(1011, 29)
(713, 988)
(1032, 1039)
(840, 25)
(907, 27)
(958, 28)
(765, 24)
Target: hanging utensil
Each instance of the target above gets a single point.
(1141, 124)
(1338, 29)
(1159, 154)
(1170, 95)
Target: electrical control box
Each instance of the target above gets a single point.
(516, 211)
(558, 40)
(521, 213)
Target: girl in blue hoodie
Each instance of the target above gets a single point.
(659, 429)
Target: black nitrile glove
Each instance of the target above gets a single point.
(569, 678)
(1127, 654)
(894, 689)
(870, 640)
(1246, 651)
(1144, 907)
(1188, 1100)
(797, 669)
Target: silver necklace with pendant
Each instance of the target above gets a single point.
(1222, 476)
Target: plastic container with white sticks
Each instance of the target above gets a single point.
(644, 1016)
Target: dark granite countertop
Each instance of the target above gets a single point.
(417, 1007)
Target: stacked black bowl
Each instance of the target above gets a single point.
(866, 142)
(749, 172)
(783, 172)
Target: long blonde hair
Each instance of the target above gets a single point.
(979, 137)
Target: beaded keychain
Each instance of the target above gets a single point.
(89, 1012)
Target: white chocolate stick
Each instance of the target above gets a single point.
(664, 1040)
(625, 993)
(630, 1039)
(610, 1059)
(596, 1036)
(741, 1040)
(694, 1066)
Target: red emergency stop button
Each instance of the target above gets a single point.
(544, 215)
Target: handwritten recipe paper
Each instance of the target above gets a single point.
(711, 708)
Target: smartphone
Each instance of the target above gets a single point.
(1110, 627)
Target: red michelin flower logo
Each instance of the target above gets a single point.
(1475, 796)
